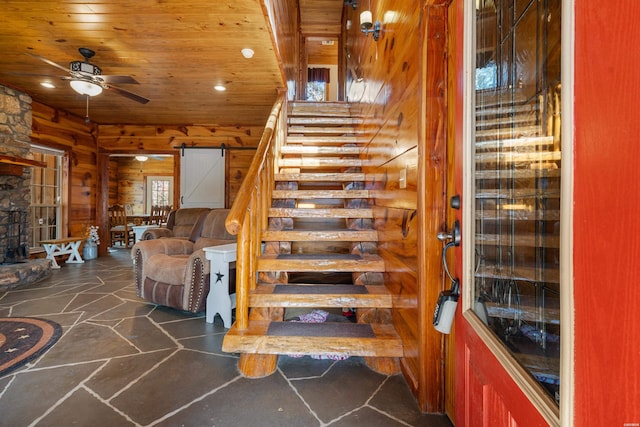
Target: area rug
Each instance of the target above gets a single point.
(22, 339)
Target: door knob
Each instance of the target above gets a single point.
(451, 236)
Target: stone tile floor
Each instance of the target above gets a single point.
(124, 362)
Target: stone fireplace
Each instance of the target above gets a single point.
(15, 178)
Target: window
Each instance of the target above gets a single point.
(317, 80)
(316, 91)
(517, 160)
(46, 190)
(159, 191)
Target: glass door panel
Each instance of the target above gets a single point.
(517, 152)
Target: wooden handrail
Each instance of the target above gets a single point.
(238, 210)
(248, 214)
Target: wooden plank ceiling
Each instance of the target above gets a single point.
(320, 24)
(176, 50)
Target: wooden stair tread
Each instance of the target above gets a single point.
(321, 121)
(320, 162)
(298, 131)
(523, 273)
(518, 215)
(320, 108)
(320, 262)
(320, 213)
(519, 193)
(324, 140)
(320, 235)
(516, 157)
(320, 176)
(523, 312)
(540, 173)
(313, 295)
(505, 110)
(508, 133)
(348, 339)
(310, 150)
(519, 239)
(320, 194)
(518, 120)
(517, 143)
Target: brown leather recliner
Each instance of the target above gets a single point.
(175, 272)
(180, 224)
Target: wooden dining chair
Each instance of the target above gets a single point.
(119, 228)
(159, 214)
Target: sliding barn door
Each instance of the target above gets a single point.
(202, 173)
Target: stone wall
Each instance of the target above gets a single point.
(15, 129)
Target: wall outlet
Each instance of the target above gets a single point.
(402, 183)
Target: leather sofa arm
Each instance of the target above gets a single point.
(196, 282)
(156, 233)
(147, 248)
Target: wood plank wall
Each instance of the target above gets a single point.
(130, 176)
(83, 143)
(285, 20)
(67, 132)
(130, 139)
(402, 99)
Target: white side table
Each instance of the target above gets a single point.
(219, 301)
(139, 230)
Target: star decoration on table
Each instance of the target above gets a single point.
(219, 277)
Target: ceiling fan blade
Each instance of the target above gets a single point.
(48, 61)
(11, 73)
(117, 79)
(127, 94)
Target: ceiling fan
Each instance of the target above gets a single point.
(87, 78)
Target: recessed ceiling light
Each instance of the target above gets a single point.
(220, 88)
(48, 85)
(247, 53)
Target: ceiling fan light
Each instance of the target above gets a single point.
(142, 158)
(86, 88)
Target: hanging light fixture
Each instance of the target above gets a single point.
(84, 87)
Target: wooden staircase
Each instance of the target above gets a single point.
(319, 248)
